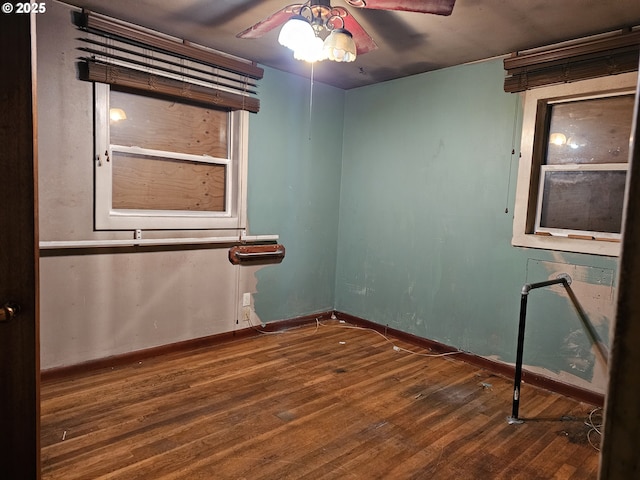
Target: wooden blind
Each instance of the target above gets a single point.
(139, 59)
(593, 57)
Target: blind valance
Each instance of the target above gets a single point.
(137, 58)
(593, 57)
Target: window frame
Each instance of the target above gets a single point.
(108, 218)
(586, 167)
(528, 190)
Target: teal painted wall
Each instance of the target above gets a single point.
(424, 240)
(391, 204)
(294, 191)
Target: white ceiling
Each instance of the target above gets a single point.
(409, 43)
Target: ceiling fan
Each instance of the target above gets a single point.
(315, 30)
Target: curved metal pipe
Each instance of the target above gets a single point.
(561, 278)
(526, 288)
(565, 280)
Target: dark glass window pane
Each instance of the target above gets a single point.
(590, 131)
(583, 200)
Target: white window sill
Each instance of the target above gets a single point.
(566, 244)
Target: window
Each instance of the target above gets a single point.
(572, 175)
(171, 128)
(167, 164)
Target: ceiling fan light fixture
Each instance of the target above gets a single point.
(297, 31)
(339, 46)
(310, 51)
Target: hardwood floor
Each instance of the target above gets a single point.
(317, 402)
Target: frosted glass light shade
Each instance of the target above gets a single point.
(339, 46)
(311, 51)
(295, 32)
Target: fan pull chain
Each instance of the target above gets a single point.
(311, 99)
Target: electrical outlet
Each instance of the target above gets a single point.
(246, 299)
(246, 312)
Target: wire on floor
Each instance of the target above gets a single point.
(276, 332)
(595, 422)
(353, 327)
(395, 347)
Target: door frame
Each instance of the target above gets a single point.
(19, 253)
(621, 435)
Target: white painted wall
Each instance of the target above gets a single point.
(98, 303)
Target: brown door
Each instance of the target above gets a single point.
(19, 363)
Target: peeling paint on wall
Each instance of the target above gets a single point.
(594, 290)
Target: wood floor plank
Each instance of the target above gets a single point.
(324, 401)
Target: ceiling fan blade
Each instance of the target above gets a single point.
(438, 7)
(364, 43)
(269, 23)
